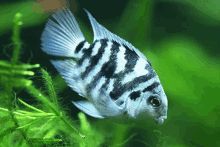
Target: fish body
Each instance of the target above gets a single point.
(116, 79)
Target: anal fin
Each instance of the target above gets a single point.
(88, 108)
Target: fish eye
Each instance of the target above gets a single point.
(154, 101)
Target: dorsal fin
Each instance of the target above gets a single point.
(101, 32)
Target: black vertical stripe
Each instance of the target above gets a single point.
(79, 46)
(149, 62)
(134, 95)
(94, 59)
(151, 87)
(115, 44)
(86, 53)
(131, 57)
(109, 67)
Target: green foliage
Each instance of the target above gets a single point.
(31, 126)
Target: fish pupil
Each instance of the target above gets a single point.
(154, 101)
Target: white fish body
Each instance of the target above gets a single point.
(117, 80)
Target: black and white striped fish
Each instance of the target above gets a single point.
(117, 80)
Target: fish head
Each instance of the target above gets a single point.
(153, 106)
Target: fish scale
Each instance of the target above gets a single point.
(116, 79)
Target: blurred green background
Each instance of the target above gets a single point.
(181, 38)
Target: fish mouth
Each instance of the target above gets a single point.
(160, 120)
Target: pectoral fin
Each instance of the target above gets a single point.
(106, 105)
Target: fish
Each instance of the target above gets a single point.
(117, 81)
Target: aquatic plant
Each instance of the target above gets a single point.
(29, 125)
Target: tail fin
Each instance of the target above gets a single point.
(62, 38)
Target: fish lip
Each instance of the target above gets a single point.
(160, 120)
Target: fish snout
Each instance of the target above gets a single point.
(160, 119)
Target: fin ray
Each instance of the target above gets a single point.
(66, 34)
